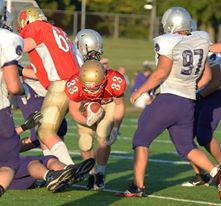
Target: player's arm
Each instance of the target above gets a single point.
(205, 77)
(215, 48)
(29, 44)
(12, 80)
(119, 111)
(162, 71)
(26, 72)
(76, 114)
(32, 121)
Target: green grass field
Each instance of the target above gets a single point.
(163, 178)
(165, 171)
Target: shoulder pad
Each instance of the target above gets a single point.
(116, 83)
(73, 88)
(202, 34)
(165, 43)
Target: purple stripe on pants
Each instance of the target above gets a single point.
(171, 112)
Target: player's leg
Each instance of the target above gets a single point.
(54, 109)
(9, 152)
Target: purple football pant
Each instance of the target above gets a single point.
(9, 140)
(22, 179)
(207, 117)
(171, 112)
(34, 104)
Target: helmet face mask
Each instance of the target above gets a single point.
(176, 19)
(90, 44)
(29, 15)
(92, 78)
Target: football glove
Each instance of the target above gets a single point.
(27, 95)
(92, 117)
(113, 136)
(20, 69)
(32, 121)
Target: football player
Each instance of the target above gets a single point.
(107, 87)
(207, 117)
(88, 45)
(11, 46)
(182, 66)
(51, 55)
(48, 168)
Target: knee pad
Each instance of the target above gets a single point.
(85, 142)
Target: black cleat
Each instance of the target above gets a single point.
(57, 180)
(132, 191)
(91, 182)
(197, 180)
(99, 181)
(80, 169)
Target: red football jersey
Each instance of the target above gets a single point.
(115, 87)
(53, 57)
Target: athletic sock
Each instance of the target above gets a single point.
(61, 152)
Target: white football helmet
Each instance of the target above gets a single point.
(176, 19)
(89, 43)
(5, 17)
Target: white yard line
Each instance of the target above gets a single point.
(161, 197)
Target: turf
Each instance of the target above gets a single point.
(162, 178)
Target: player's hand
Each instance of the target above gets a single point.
(27, 95)
(134, 96)
(92, 117)
(20, 69)
(32, 121)
(113, 136)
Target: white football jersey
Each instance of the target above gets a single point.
(36, 86)
(188, 54)
(11, 49)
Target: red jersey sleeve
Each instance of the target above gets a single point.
(34, 31)
(116, 83)
(73, 89)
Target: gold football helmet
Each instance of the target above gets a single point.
(92, 77)
(29, 15)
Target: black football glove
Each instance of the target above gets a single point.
(20, 69)
(32, 121)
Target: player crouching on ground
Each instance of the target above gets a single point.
(107, 87)
(46, 170)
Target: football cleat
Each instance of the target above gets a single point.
(99, 181)
(197, 180)
(132, 191)
(217, 181)
(57, 180)
(79, 170)
(91, 182)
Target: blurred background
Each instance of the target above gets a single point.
(127, 26)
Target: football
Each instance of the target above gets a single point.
(91, 106)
